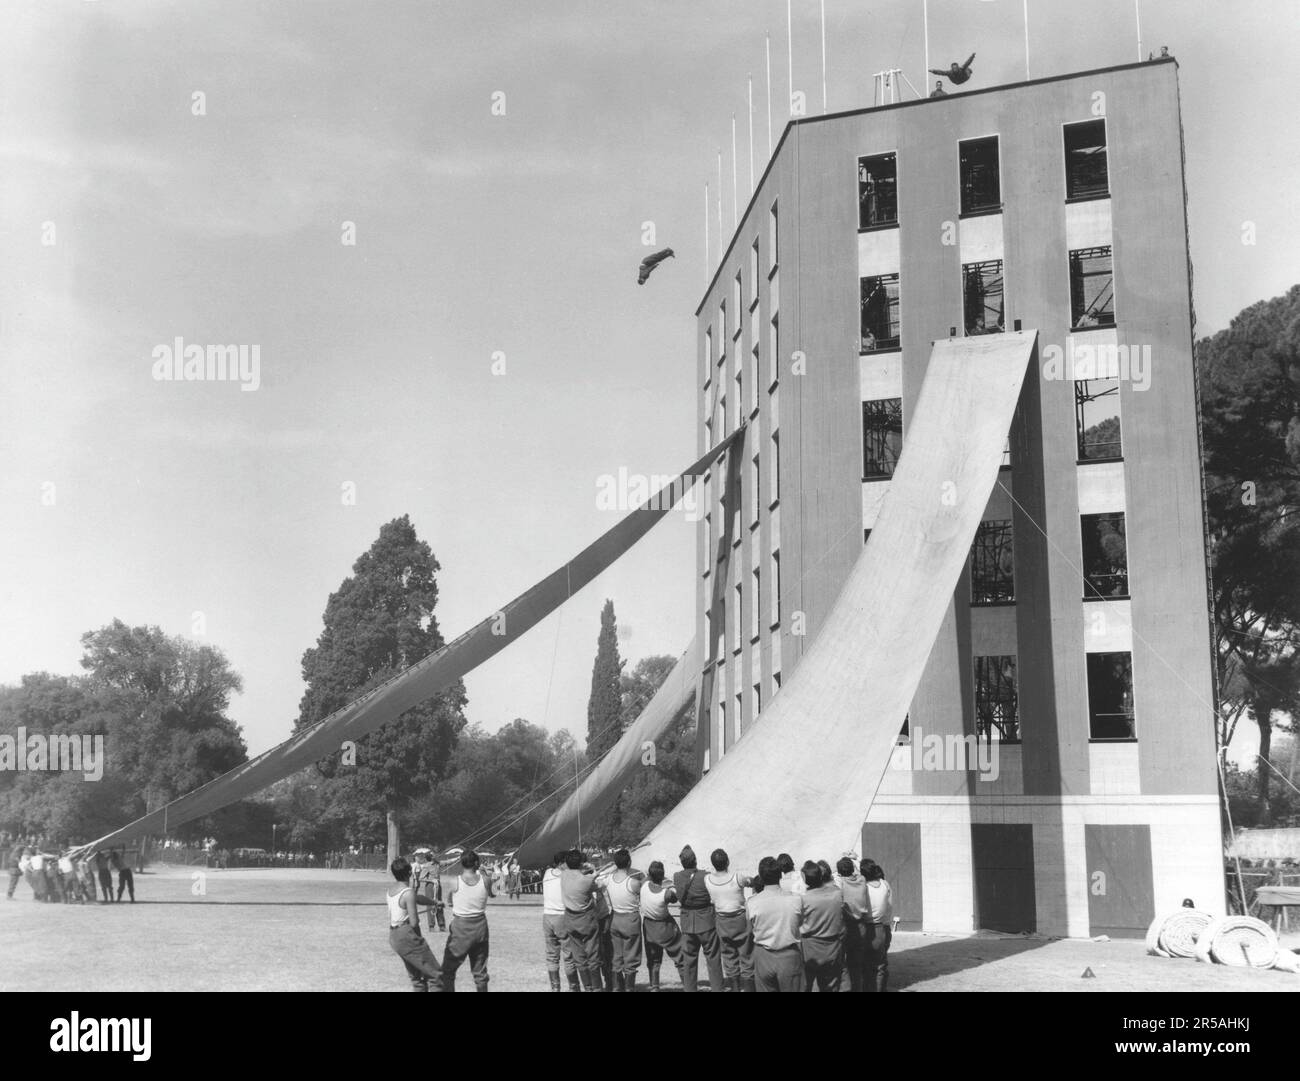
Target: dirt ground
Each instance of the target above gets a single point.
(316, 930)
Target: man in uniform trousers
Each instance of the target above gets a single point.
(658, 928)
(623, 889)
(105, 876)
(578, 888)
(857, 922)
(821, 931)
(880, 932)
(468, 937)
(604, 941)
(125, 879)
(727, 891)
(699, 924)
(553, 937)
(774, 916)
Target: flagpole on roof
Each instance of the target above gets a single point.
(708, 254)
(767, 38)
(722, 247)
(925, 25)
(751, 134)
(823, 7)
(789, 57)
(1137, 14)
(1026, 5)
(735, 183)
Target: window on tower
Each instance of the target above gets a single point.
(981, 186)
(982, 297)
(879, 312)
(882, 437)
(992, 570)
(1110, 696)
(1085, 160)
(997, 714)
(1092, 288)
(1096, 420)
(877, 191)
(1105, 557)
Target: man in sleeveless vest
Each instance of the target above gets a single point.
(578, 888)
(699, 929)
(658, 928)
(736, 944)
(404, 931)
(623, 889)
(554, 939)
(468, 934)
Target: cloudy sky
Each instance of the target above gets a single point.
(130, 216)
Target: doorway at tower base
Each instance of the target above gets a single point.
(804, 776)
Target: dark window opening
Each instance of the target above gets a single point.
(997, 714)
(1105, 556)
(1096, 419)
(1092, 288)
(992, 570)
(866, 535)
(905, 733)
(880, 312)
(1085, 160)
(982, 297)
(1110, 696)
(882, 437)
(981, 187)
(877, 191)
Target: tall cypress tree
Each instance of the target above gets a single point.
(605, 707)
(380, 621)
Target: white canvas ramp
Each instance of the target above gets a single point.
(802, 779)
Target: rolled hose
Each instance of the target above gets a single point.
(1238, 941)
(1176, 933)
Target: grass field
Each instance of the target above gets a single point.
(315, 930)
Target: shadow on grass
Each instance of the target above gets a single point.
(918, 964)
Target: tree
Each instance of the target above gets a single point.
(380, 621)
(605, 706)
(498, 787)
(663, 781)
(1249, 377)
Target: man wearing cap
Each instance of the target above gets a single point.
(699, 924)
(774, 922)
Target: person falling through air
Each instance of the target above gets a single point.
(958, 73)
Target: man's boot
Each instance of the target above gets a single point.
(594, 977)
(585, 977)
(574, 985)
(629, 982)
(555, 980)
(618, 982)
(654, 977)
(732, 984)
(747, 984)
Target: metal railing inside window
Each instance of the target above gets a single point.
(1092, 288)
(880, 326)
(1105, 556)
(877, 191)
(882, 437)
(982, 297)
(1096, 419)
(997, 710)
(992, 568)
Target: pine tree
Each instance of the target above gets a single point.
(605, 707)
